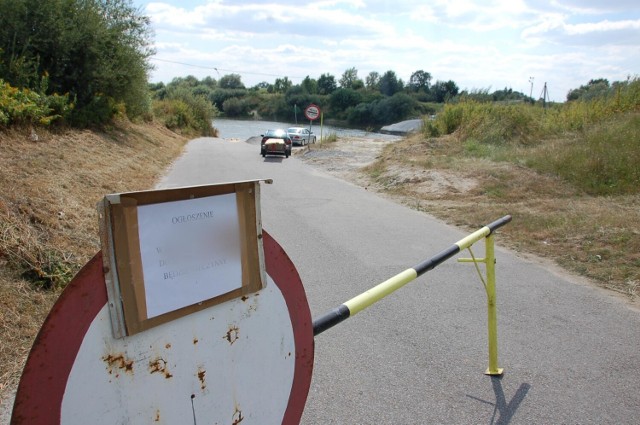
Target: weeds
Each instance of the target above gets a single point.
(569, 175)
(24, 106)
(605, 160)
(48, 223)
(187, 113)
(27, 253)
(330, 138)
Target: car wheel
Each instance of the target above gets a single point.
(314, 140)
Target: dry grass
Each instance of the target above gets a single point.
(48, 225)
(596, 236)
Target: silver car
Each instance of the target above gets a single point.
(301, 136)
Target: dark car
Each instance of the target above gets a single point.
(275, 142)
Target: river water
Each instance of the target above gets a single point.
(245, 129)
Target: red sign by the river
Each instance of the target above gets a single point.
(312, 112)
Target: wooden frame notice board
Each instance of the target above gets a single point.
(169, 253)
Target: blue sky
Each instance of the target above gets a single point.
(478, 44)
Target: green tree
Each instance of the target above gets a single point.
(444, 90)
(309, 85)
(383, 111)
(593, 89)
(281, 85)
(350, 80)
(231, 81)
(219, 96)
(235, 107)
(158, 90)
(372, 81)
(94, 50)
(209, 82)
(341, 99)
(327, 84)
(420, 80)
(263, 85)
(390, 84)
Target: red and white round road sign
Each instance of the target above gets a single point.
(312, 112)
(246, 361)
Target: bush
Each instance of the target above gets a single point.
(219, 96)
(594, 144)
(491, 123)
(234, 107)
(182, 110)
(24, 106)
(341, 99)
(604, 161)
(383, 111)
(277, 108)
(96, 51)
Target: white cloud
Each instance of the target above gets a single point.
(555, 29)
(477, 44)
(603, 26)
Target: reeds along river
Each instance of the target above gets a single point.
(245, 129)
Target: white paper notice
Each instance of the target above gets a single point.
(190, 251)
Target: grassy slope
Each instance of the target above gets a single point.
(48, 221)
(554, 215)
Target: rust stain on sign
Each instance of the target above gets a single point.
(159, 365)
(201, 373)
(157, 418)
(118, 361)
(232, 334)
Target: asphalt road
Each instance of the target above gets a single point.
(571, 352)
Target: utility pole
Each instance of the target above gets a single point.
(544, 95)
(531, 91)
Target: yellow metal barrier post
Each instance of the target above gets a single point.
(490, 289)
(378, 292)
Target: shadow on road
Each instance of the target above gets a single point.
(504, 410)
(274, 159)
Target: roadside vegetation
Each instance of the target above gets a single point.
(569, 174)
(48, 220)
(79, 119)
(378, 100)
(82, 64)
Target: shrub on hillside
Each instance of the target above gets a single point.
(181, 110)
(234, 107)
(605, 160)
(24, 106)
(594, 144)
(96, 51)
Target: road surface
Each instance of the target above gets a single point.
(571, 352)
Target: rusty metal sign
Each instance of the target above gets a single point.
(247, 360)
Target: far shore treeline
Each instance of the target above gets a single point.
(82, 63)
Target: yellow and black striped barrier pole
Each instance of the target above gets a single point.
(378, 292)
